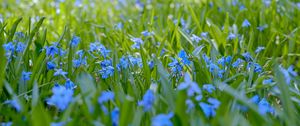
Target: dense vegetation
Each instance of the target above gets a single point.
(149, 62)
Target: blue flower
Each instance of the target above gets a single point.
(208, 109)
(106, 63)
(151, 64)
(107, 72)
(291, 71)
(9, 47)
(15, 104)
(70, 85)
(231, 36)
(206, 59)
(228, 59)
(60, 72)
(261, 28)
(51, 65)
(78, 62)
(123, 62)
(267, 81)
(106, 96)
(246, 23)
(137, 43)
(135, 61)
(213, 67)
(247, 56)
(148, 100)
(58, 124)
(20, 47)
(204, 34)
(264, 107)
(257, 67)
(6, 123)
(255, 99)
(214, 102)
(196, 38)
(94, 46)
(25, 76)
(288, 73)
(192, 87)
(190, 105)
(259, 49)
(61, 97)
(104, 52)
(209, 88)
(237, 63)
(184, 57)
(162, 120)
(147, 33)
(222, 61)
(115, 116)
(75, 41)
(51, 50)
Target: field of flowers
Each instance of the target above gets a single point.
(149, 62)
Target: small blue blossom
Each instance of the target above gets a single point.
(261, 28)
(231, 36)
(192, 87)
(213, 67)
(75, 41)
(190, 105)
(25, 76)
(148, 100)
(106, 63)
(58, 124)
(162, 120)
(259, 49)
(247, 56)
(104, 52)
(135, 61)
(107, 72)
(246, 23)
(106, 96)
(209, 88)
(222, 61)
(6, 123)
(51, 50)
(138, 42)
(78, 62)
(123, 62)
(204, 34)
(255, 99)
(51, 65)
(264, 107)
(9, 47)
(94, 46)
(257, 67)
(61, 97)
(206, 59)
(237, 63)
(196, 38)
(267, 81)
(60, 72)
(115, 116)
(147, 33)
(208, 109)
(70, 85)
(20, 47)
(214, 102)
(288, 73)
(184, 57)
(151, 64)
(15, 104)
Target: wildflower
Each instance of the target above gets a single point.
(20, 47)
(214, 102)
(222, 61)
(247, 56)
(162, 120)
(246, 23)
(288, 73)
(147, 33)
(148, 100)
(75, 41)
(151, 64)
(106, 63)
(208, 109)
(206, 59)
(209, 88)
(190, 105)
(123, 62)
(70, 85)
(237, 63)
(259, 49)
(261, 28)
(51, 65)
(213, 67)
(51, 50)
(14, 103)
(104, 52)
(192, 87)
(107, 71)
(58, 124)
(60, 72)
(25, 76)
(135, 61)
(9, 47)
(115, 116)
(79, 62)
(6, 123)
(61, 97)
(137, 43)
(231, 36)
(184, 58)
(257, 67)
(106, 96)
(267, 81)
(264, 107)
(196, 38)
(255, 99)
(204, 34)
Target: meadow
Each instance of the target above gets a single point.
(149, 62)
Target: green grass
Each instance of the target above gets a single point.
(97, 21)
